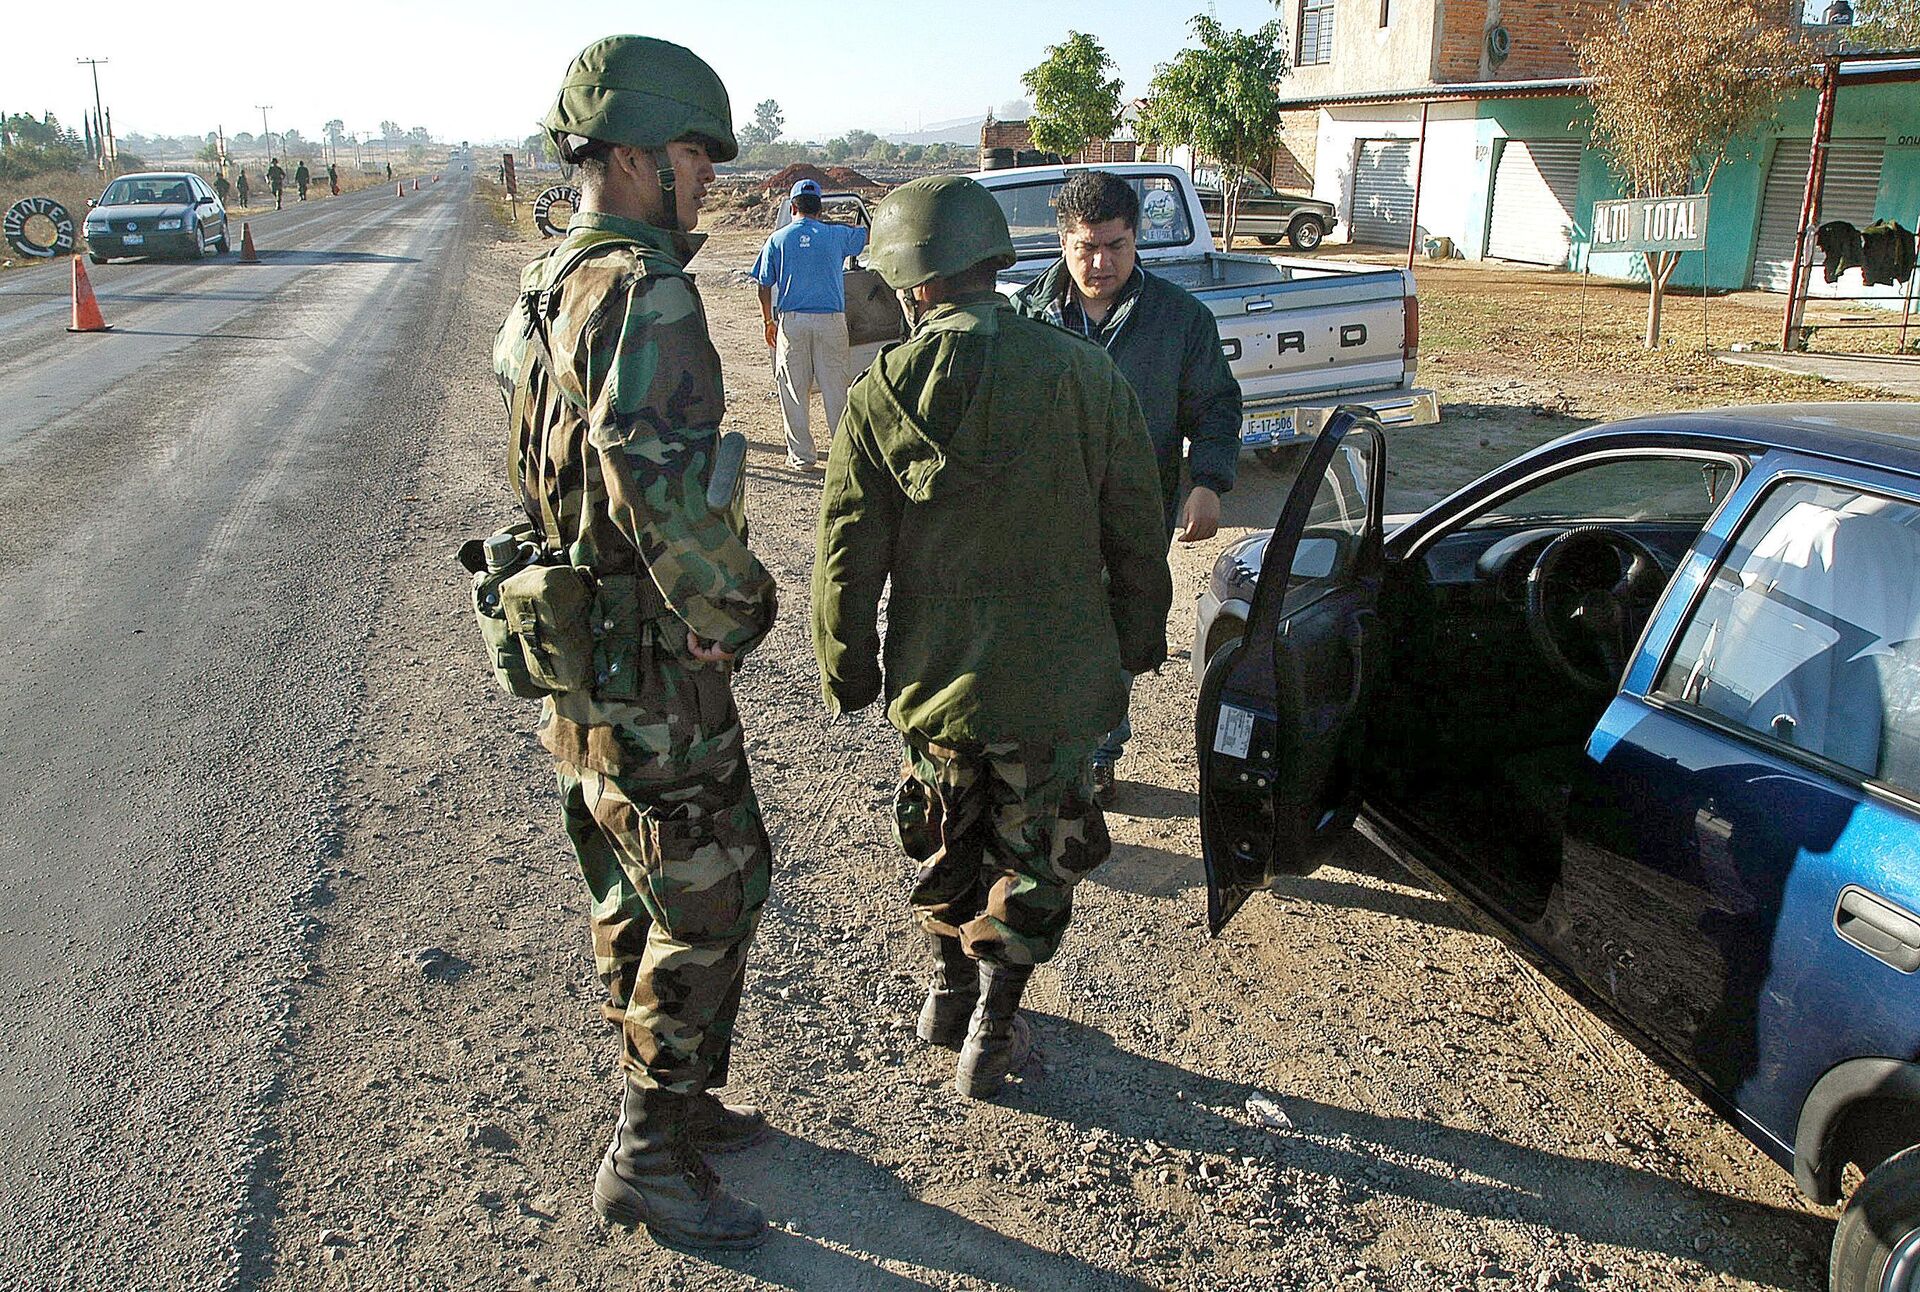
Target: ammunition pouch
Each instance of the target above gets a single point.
(546, 609)
(550, 628)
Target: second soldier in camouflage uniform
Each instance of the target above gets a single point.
(615, 425)
(995, 471)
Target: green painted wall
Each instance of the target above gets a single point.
(1891, 112)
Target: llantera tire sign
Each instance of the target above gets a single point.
(1651, 224)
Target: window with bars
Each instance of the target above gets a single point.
(1316, 32)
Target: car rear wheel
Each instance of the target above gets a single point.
(1876, 1247)
(1305, 233)
(198, 251)
(225, 242)
(1269, 240)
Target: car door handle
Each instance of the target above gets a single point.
(1884, 931)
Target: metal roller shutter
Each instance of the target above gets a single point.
(1383, 192)
(1853, 181)
(1536, 190)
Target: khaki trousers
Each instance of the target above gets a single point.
(812, 352)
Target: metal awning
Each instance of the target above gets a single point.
(1547, 87)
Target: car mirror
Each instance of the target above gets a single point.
(205, 201)
(91, 204)
(1314, 558)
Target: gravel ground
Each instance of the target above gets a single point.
(1445, 1119)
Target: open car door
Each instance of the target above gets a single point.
(1281, 711)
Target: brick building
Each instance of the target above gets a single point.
(1122, 147)
(1507, 170)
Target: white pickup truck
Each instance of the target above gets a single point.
(1302, 336)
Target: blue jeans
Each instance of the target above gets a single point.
(1116, 740)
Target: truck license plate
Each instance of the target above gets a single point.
(134, 239)
(1265, 430)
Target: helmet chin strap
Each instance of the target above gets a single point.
(669, 200)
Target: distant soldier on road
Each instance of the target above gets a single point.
(221, 188)
(333, 179)
(992, 474)
(301, 178)
(389, 170)
(276, 180)
(240, 186)
(615, 398)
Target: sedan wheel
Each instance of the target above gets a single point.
(1305, 234)
(199, 251)
(1876, 1247)
(225, 243)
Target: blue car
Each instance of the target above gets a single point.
(1646, 702)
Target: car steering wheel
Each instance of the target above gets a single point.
(1575, 595)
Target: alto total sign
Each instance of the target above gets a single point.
(1651, 224)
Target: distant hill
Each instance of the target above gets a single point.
(964, 131)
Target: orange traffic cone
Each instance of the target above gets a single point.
(400, 189)
(248, 256)
(416, 183)
(86, 310)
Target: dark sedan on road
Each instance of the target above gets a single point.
(162, 213)
(1646, 703)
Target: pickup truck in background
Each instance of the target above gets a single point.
(1302, 337)
(1270, 215)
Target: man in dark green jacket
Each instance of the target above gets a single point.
(1167, 345)
(997, 472)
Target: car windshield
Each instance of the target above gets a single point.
(1621, 489)
(1031, 220)
(132, 192)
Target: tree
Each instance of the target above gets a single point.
(884, 150)
(860, 143)
(419, 135)
(391, 130)
(1222, 100)
(765, 126)
(1674, 85)
(1073, 102)
(243, 140)
(335, 132)
(1887, 24)
(838, 150)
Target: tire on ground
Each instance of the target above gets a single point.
(1305, 233)
(21, 213)
(1882, 1221)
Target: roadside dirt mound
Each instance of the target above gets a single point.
(848, 177)
(787, 176)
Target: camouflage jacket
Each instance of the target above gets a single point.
(610, 460)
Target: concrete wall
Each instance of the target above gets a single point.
(1367, 56)
(1452, 133)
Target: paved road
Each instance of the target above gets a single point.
(185, 572)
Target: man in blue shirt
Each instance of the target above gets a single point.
(803, 302)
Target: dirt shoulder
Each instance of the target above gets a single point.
(449, 1084)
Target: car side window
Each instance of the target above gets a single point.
(1809, 632)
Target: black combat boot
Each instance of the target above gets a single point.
(652, 1175)
(952, 994)
(998, 1038)
(716, 1126)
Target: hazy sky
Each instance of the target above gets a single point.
(487, 69)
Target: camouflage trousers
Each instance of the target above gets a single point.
(677, 874)
(1002, 833)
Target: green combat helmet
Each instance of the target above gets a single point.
(643, 93)
(936, 227)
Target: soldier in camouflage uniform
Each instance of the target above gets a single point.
(615, 399)
(997, 473)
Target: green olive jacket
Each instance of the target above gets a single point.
(996, 472)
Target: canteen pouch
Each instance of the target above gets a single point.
(505, 660)
(546, 607)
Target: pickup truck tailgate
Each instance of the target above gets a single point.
(1314, 335)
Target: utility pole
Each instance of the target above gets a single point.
(99, 117)
(264, 109)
